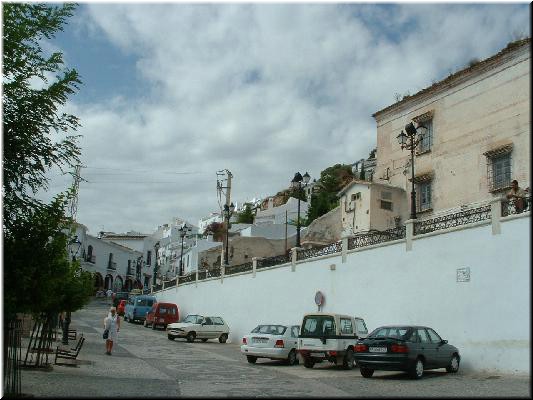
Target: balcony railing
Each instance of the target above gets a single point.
(464, 217)
(319, 251)
(112, 265)
(235, 269)
(129, 272)
(271, 261)
(375, 237)
(187, 278)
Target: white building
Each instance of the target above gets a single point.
(281, 214)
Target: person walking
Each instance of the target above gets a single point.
(112, 325)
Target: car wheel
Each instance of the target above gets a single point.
(170, 337)
(223, 338)
(453, 367)
(347, 362)
(309, 362)
(251, 359)
(191, 336)
(417, 370)
(204, 340)
(292, 359)
(366, 372)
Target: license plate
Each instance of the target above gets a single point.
(259, 340)
(377, 349)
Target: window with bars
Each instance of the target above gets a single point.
(426, 140)
(499, 171)
(424, 196)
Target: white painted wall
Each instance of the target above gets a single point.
(488, 318)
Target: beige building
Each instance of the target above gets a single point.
(476, 138)
(370, 205)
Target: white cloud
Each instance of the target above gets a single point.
(263, 90)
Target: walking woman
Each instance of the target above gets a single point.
(112, 324)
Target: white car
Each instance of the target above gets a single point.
(276, 342)
(199, 327)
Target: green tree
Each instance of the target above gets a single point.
(331, 181)
(32, 112)
(247, 216)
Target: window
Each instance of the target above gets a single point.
(386, 200)
(270, 329)
(346, 326)
(208, 321)
(499, 172)
(423, 336)
(386, 205)
(433, 336)
(318, 325)
(424, 196)
(394, 332)
(294, 331)
(217, 321)
(356, 196)
(426, 139)
(360, 326)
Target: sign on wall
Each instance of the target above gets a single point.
(463, 274)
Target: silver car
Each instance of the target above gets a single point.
(276, 342)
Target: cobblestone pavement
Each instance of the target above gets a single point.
(146, 364)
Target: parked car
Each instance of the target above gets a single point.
(276, 342)
(121, 306)
(120, 296)
(330, 337)
(405, 348)
(137, 307)
(162, 314)
(199, 327)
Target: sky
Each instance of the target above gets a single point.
(173, 93)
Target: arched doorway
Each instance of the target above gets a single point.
(128, 285)
(137, 284)
(98, 281)
(108, 282)
(119, 284)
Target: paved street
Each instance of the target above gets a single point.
(146, 364)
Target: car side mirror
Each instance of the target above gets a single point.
(443, 341)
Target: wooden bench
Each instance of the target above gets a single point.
(71, 354)
(72, 334)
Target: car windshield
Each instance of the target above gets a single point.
(193, 319)
(394, 332)
(270, 329)
(318, 325)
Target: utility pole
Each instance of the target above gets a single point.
(286, 225)
(224, 188)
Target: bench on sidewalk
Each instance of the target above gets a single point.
(71, 354)
(72, 334)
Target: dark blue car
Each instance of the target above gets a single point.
(405, 348)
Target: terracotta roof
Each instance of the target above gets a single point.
(470, 69)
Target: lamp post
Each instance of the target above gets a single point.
(296, 183)
(183, 233)
(228, 211)
(74, 243)
(156, 250)
(409, 141)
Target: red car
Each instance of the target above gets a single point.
(120, 307)
(162, 314)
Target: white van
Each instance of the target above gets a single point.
(331, 337)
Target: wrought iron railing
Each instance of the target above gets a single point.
(516, 206)
(187, 278)
(213, 272)
(331, 248)
(235, 269)
(464, 217)
(271, 261)
(170, 283)
(375, 237)
(202, 274)
(157, 288)
(112, 265)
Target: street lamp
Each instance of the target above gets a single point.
(296, 183)
(74, 242)
(156, 249)
(183, 233)
(228, 211)
(409, 141)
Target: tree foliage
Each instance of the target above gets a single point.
(331, 181)
(32, 102)
(38, 275)
(217, 229)
(247, 216)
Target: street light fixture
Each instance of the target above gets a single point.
(296, 183)
(409, 141)
(74, 241)
(183, 233)
(228, 211)
(156, 248)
